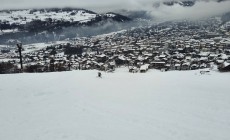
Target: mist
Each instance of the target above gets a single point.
(200, 10)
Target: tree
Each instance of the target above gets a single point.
(6, 67)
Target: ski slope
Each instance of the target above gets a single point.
(76, 105)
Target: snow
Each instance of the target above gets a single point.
(8, 31)
(144, 67)
(24, 16)
(174, 105)
(122, 57)
(39, 46)
(225, 64)
(34, 47)
(110, 15)
(7, 60)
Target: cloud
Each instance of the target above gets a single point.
(200, 10)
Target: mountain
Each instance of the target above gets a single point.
(28, 22)
(36, 20)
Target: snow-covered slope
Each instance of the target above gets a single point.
(25, 16)
(78, 105)
(22, 17)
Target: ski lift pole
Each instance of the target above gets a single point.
(20, 54)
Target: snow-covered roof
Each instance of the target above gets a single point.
(144, 67)
(225, 64)
(122, 57)
(102, 55)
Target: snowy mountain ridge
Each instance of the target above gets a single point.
(15, 24)
(11, 19)
(29, 15)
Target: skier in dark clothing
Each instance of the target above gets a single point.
(99, 74)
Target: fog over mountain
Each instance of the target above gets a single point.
(201, 9)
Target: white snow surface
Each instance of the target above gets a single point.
(176, 105)
(24, 16)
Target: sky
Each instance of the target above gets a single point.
(91, 4)
(201, 9)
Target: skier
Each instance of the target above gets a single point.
(99, 74)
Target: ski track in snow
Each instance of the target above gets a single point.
(175, 105)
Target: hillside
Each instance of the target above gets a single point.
(33, 24)
(78, 105)
(23, 19)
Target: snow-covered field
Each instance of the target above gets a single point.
(76, 105)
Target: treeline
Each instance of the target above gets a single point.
(53, 66)
(7, 67)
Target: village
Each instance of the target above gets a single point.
(177, 45)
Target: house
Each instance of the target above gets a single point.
(120, 60)
(101, 58)
(194, 67)
(158, 64)
(219, 61)
(111, 67)
(177, 66)
(185, 66)
(144, 68)
(224, 67)
(203, 65)
(168, 66)
(133, 69)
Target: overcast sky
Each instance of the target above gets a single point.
(92, 4)
(201, 8)
(66, 3)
